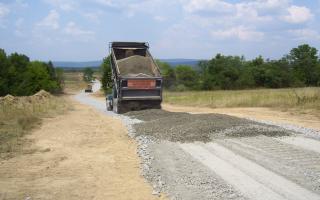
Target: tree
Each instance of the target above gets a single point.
(4, 65)
(88, 74)
(60, 78)
(105, 68)
(19, 76)
(36, 79)
(51, 71)
(168, 74)
(222, 72)
(186, 76)
(304, 60)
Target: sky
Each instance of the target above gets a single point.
(80, 30)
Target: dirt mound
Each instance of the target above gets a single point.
(43, 93)
(8, 99)
(41, 96)
(184, 127)
(19, 101)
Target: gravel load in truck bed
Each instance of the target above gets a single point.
(185, 127)
(135, 65)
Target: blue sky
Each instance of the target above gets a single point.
(80, 30)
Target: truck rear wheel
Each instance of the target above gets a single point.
(118, 107)
(109, 106)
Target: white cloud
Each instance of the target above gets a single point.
(131, 7)
(4, 10)
(51, 21)
(240, 32)
(73, 30)
(65, 5)
(269, 4)
(305, 34)
(298, 14)
(248, 12)
(106, 2)
(216, 5)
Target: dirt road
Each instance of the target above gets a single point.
(215, 156)
(80, 155)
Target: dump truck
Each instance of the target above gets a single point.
(88, 88)
(137, 81)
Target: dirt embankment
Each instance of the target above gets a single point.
(81, 155)
(10, 101)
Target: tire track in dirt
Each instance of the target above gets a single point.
(302, 142)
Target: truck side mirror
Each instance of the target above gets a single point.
(110, 97)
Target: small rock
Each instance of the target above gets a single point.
(155, 193)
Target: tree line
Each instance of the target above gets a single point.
(19, 76)
(87, 74)
(300, 68)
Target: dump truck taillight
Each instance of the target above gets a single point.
(141, 84)
(124, 83)
(158, 83)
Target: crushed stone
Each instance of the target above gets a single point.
(185, 127)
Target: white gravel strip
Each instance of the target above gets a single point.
(253, 180)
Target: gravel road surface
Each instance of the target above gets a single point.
(214, 156)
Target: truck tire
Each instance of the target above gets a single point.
(117, 107)
(109, 106)
(155, 105)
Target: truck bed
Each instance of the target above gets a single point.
(137, 66)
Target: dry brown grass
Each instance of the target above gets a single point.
(297, 98)
(19, 115)
(73, 82)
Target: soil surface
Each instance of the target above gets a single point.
(80, 155)
(87, 154)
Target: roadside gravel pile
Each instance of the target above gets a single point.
(184, 127)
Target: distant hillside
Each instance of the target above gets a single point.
(172, 62)
(175, 62)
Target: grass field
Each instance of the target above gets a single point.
(74, 81)
(298, 98)
(19, 115)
